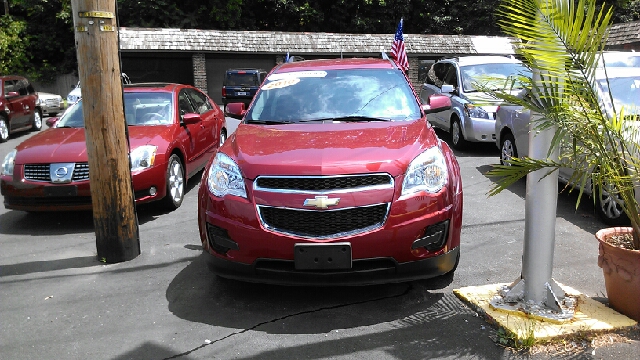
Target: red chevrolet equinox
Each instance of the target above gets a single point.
(333, 177)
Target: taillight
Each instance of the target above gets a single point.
(224, 91)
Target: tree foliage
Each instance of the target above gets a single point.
(45, 46)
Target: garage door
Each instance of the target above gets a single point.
(216, 67)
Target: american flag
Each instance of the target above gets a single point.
(397, 49)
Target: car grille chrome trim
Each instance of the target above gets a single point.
(323, 224)
(323, 184)
(41, 172)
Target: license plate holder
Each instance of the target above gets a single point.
(322, 256)
(67, 190)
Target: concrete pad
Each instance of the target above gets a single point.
(590, 315)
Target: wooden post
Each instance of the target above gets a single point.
(114, 217)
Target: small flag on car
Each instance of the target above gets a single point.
(397, 49)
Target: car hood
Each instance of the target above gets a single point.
(44, 95)
(486, 99)
(328, 149)
(68, 144)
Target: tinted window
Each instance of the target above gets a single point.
(310, 95)
(242, 79)
(184, 103)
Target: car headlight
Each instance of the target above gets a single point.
(427, 172)
(8, 163)
(143, 157)
(476, 111)
(225, 177)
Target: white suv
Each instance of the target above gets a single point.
(472, 115)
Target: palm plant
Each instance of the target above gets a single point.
(564, 40)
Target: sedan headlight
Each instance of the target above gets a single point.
(143, 157)
(427, 172)
(476, 111)
(225, 177)
(8, 163)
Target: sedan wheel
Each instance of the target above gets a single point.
(175, 183)
(223, 137)
(508, 149)
(37, 121)
(4, 129)
(609, 209)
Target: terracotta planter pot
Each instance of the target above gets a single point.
(621, 268)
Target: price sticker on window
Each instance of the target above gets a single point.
(280, 84)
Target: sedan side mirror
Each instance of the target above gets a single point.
(436, 104)
(51, 122)
(235, 110)
(191, 118)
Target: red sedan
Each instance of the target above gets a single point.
(333, 177)
(173, 132)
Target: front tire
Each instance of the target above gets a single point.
(174, 183)
(457, 139)
(608, 207)
(37, 121)
(508, 149)
(223, 137)
(4, 129)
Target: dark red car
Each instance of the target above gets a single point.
(333, 177)
(18, 106)
(173, 132)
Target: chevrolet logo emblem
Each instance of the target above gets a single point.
(321, 202)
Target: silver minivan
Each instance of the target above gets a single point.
(472, 114)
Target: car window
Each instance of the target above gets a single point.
(9, 86)
(496, 76)
(184, 103)
(309, 95)
(22, 87)
(625, 92)
(242, 79)
(141, 108)
(200, 101)
(451, 77)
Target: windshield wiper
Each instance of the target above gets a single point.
(358, 118)
(269, 122)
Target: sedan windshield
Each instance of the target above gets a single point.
(335, 95)
(141, 108)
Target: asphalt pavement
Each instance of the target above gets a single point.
(57, 301)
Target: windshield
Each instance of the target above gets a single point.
(141, 108)
(495, 76)
(334, 94)
(625, 92)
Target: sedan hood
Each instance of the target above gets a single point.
(328, 149)
(68, 144)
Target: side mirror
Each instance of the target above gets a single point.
(447, 88)
(235, 110)
(52, 121)
(191, 118)
(436, 104)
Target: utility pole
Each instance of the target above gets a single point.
(114, 217)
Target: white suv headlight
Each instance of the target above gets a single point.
(8, 163)
(225, 177)
(427, 172)
(143, 157)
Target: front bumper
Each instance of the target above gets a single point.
(480, 130)
(364, 271)
(26, 195)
